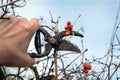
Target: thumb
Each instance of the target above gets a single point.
(34, 24)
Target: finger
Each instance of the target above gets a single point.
(31, 62)
(27, 60)
(22, 19)
(7, 22)
(4, 16)
(34, 24)
(12, 17)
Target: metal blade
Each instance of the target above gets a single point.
(68, 46)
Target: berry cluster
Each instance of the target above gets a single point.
(68, 28)
(86, 67)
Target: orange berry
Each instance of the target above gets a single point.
(70, 27)
(68, 23)
(66, 28)
(87, 66)
(85, 71)
(67, 33)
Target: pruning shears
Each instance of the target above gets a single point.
(55, 42)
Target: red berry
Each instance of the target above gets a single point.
(70, 27)
(66, 28)
(85, 71)
(87, 66)
(68, 23)
(67, 33)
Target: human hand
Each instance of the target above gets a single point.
(15, 36)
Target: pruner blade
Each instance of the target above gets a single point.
(68, 46)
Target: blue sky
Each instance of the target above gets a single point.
(97, 18)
